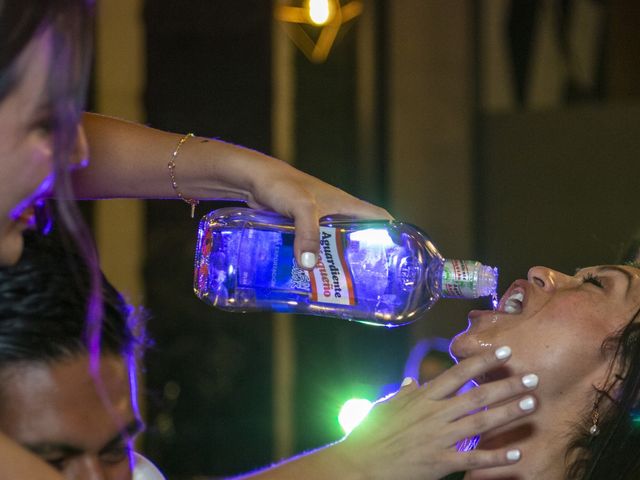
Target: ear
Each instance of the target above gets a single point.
(604, 377)
(612, 386)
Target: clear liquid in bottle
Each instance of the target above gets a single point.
(378, 272)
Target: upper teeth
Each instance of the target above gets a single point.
(514, 303)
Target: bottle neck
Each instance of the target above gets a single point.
(468, 279)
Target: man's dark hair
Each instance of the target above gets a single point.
(43, 308)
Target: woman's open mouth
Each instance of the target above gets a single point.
(512, 302)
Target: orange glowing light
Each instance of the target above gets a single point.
(325, 17)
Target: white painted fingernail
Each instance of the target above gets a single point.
(527, 403)
(503, 352)
(406, 381)
(308, 259)
(530, 380)
(513, 455)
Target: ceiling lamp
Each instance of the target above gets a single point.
(313, 25)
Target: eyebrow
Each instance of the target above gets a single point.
(44, 103)
(46, 448)
(43, 108)
(131, 430)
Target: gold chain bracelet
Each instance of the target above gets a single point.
(172, 173)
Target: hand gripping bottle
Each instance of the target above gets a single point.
(377, 272)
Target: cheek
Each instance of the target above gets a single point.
(29, 175)
(11, 243)
(120, 471)
(89, 466)
(38, 165)
(565, 351)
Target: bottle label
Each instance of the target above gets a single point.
(331, 280)
(268, 262)
(459, 279)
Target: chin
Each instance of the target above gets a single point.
(460, 345)
(465, 345)
(11, 246)
(510, 472)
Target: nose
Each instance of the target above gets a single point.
(87, 468)
(547, 279)
(80, 153)
(543, 277)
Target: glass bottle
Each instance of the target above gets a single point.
(377, 272)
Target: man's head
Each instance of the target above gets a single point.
(50, 401)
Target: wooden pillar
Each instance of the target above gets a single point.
(119, 64)
(283, 141)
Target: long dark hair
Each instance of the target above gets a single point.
(614, 454)
(71, 25)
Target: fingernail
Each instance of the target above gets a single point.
(503, 352)
(406, 381)
(513, 455)
(527, 403)
(530, 380)
(308, 259)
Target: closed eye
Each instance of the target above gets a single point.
(57, 463)
(115, 454)
(593, 279)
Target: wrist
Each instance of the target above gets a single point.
(342, 456)
(222, 171)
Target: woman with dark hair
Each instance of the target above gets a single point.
(581, 335)
(44, 59)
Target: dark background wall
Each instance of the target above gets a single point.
(560, 187)
(556, 158)
(209, 374)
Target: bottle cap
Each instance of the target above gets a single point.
(487, 281)
(468, 279)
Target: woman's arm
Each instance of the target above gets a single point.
(413, 435)
(321, 464)
(18, 463)
(130, 160)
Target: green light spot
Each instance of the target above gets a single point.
(635, 418)
(353, 412)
